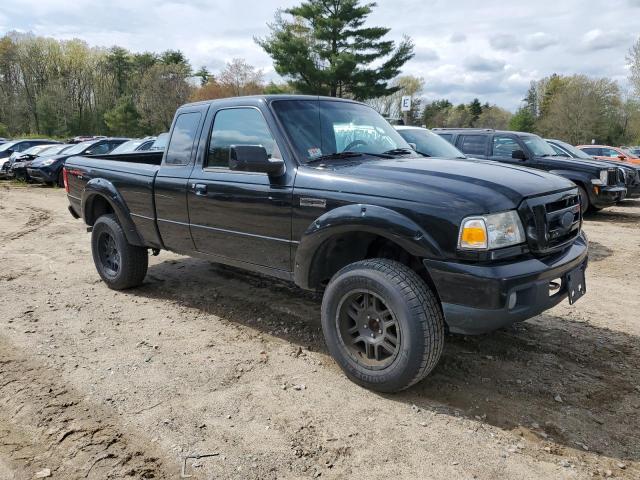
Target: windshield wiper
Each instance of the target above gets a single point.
(348, 154)
(335, 156)
(399, 151)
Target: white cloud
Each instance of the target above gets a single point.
(477, 63)
(597, 39)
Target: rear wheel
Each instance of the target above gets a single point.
(382, 324)
(120, 264)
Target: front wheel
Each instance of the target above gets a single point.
(584, 200)
(382, 324)
(120, 264)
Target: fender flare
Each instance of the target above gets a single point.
(99, 187)
(381, 221)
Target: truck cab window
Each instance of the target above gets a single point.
(182, 139)
(238, 126)
(504, 146)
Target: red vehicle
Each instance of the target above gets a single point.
(605, 152)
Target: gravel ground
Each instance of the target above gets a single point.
(209, 360)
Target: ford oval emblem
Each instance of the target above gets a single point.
(566, 220)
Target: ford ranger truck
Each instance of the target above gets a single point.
(325, 193)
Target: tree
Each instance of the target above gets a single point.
(633, 61)
(523, 120)
(204, 75)
(494, 117)
(324, 48)
(475, 110)
(435, 113)
(164, 88)
(241, 78)
(123, 119)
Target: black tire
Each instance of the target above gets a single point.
(585, 204)
(120, 264)
(413, 316)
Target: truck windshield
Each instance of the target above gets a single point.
(538, 146)
(318, 128)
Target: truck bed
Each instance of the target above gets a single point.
(132, 175)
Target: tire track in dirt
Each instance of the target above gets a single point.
(46, 424)
(38, 218)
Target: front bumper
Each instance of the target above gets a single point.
(475, 297)
(607, 196)
(42, 175)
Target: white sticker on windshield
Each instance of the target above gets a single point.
(314, 152)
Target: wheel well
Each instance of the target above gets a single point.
(343, 249)
(98, 207)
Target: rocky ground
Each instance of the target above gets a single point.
(205, 360)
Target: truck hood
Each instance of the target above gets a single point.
(476, 186)
(575, 163)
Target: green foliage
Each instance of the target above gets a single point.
(475, 110)
(123, 119)
(324, 48)
(67, 88)
(523, 120)
(273, 88)
(204, 75)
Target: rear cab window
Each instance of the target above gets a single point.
(182, 139)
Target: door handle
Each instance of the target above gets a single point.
(199, 189)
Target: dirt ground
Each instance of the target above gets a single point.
(208, 360)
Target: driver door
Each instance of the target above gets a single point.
(241, 216)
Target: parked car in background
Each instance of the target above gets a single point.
(634, 150)
(160, 142)
(9, 148)
(135, 145)
(18, 168)
(427, 143)
(606, 152)
(599, 185)
(631, 172)
(3, 140)
(49, 169)
(85, 138)
(28, 153)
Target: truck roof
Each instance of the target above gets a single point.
(269, 98)
(479, 130)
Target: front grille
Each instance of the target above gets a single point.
(614, 177)
(551, 222)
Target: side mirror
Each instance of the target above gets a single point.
(254, 158)
(518, 155)
(621, 157)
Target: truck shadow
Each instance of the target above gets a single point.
(609, 216)
(552, 380)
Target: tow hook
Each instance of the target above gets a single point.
(155, 252)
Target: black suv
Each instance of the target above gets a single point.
(600, 185)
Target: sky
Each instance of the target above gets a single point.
(463, 48)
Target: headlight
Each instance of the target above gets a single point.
(603, 179)
(46, 163)
(491, 231)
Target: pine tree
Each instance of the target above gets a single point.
(323, 47)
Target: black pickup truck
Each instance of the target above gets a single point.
(325, 193)
(600, 185)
